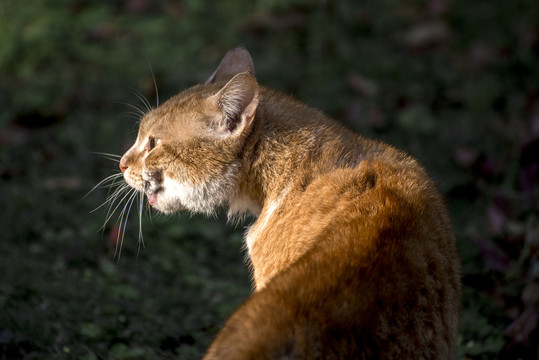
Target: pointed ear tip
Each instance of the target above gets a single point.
(235, 61)
(240, 49)
(238, 52)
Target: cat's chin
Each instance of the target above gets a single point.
(159, 203)
(165, 208)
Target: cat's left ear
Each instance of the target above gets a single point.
(236, 61)
(237, 102)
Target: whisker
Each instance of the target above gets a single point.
(155, 85)
(119, 188)
(116, 195)
(149, 212)
(108, 182)
(116, 160)
(142, 98)
(142, 107)
(111, 198)
(140, 237)
(110, 186)
(117, 249)
(134, 117)
(136, 109)
(110, 178)
(131, 114)
(124, 216)
(106, 154)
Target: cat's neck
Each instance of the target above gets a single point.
(289, 145)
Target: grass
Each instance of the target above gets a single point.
(453, 84)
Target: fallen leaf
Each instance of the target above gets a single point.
(466, 157)
(530, 294)
(520, 329)
(362, 85)
(496, 219)
(426, 35)
(494, 258)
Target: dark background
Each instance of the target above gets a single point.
(454, 83)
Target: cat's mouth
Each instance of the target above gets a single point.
(152, 199)
(152, 193)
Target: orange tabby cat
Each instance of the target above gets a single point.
(352, 253)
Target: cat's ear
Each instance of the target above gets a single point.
(236, 61)
(237, 102)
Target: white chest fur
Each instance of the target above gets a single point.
(256, 230)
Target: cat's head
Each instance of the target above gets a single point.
(186, 155)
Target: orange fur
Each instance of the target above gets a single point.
(352, 253)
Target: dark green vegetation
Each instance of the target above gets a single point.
(455, 83)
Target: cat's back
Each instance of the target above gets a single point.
(370, 240)
(378, 278)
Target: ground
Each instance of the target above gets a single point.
(451, 82)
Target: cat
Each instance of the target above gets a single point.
(352, 253)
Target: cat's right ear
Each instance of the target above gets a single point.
(236, 102)
(236, 61)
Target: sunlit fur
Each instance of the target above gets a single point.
(352, 253)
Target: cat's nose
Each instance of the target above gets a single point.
(123, 167)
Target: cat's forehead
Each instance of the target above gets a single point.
(178, 116)
(151, 122)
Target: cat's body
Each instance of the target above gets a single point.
(352, 253)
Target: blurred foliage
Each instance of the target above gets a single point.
(453, 83)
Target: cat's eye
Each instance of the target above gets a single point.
(152, 142)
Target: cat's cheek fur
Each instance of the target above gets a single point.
(204, 196)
